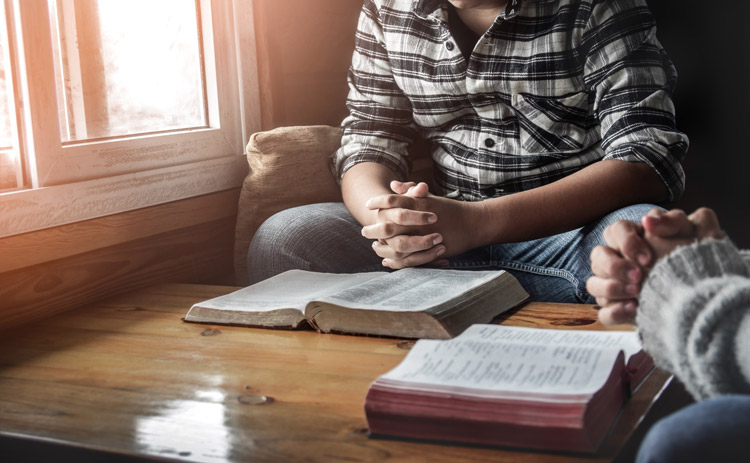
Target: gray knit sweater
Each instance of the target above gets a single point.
(694, 317)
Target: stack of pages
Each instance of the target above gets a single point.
(500, 385)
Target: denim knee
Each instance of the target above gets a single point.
(632, 213)
(317, 237)
(273, 246)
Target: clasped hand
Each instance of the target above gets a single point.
(621, 267)
(415, 228)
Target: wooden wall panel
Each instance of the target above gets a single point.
(58, 242)
(185, 241)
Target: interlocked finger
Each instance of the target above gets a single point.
(408, 217)
(608, 263)
(626, 237)
(706, 224)
(611, 290)
(401, 246)
(618, 313)
(416, 259)
(384, 230)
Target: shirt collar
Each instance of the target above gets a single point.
(438, 8)
(427, 8)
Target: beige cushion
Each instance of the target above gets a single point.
(289, 166)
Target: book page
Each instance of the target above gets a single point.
(289, 290)
(476, 367)
(627, 341)
(410, 289)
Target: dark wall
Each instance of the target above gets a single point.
(304, 51)
(710, 46)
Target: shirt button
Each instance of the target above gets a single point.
(449, 46)
(489, 143)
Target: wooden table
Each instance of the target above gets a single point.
(127, 377)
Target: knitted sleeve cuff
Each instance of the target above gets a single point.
(674, 295)
(745, 256)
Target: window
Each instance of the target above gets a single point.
(111, 105)
(112, 82)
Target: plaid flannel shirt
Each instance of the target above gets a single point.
(550, 88)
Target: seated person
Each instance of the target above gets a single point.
(546, 120)
(688, 290)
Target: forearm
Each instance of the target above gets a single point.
(570, 202)
(362, 182)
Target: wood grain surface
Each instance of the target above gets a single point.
(127, 376)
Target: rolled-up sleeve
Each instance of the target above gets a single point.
(380, 126)
(633, 79)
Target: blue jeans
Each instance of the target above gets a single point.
(326, 238)
(715, 430)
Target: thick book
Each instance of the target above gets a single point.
(558, 390)
(408, 303)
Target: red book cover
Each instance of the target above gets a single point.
(556, 390)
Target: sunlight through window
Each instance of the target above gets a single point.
(125, 68)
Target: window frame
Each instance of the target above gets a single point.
(74, 181)
(11, 90)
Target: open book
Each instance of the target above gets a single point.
(409, 303)
(512, 386)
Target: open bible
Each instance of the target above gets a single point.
(409, 303)
(510, 386)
